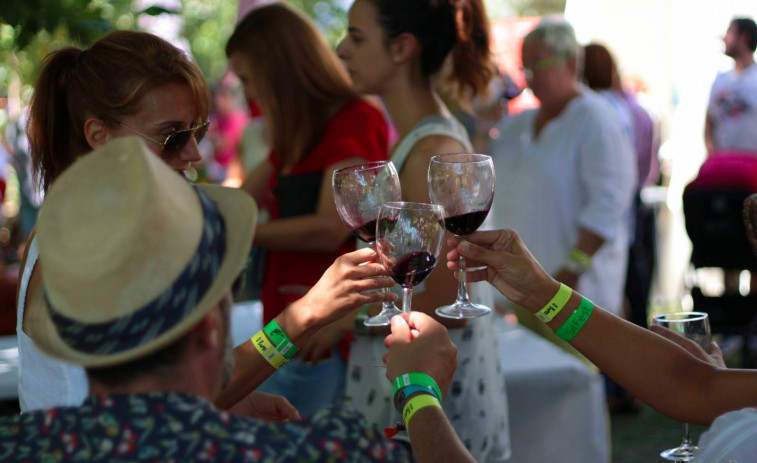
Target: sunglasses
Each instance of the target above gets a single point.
(539, 65)
(176, 141)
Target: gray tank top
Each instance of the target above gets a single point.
(437, 124)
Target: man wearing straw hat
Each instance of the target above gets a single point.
(137, 264)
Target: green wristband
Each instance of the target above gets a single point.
(576, 321)
(421, 379)
(280, 340)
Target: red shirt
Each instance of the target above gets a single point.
(357, 130)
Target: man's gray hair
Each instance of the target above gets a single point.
(558, 36)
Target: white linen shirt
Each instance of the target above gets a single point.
(579, 173)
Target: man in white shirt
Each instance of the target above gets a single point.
(566, 173)
(732, 111)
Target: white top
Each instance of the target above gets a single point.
(579, 173)
(42, 381)
(732, 438)
(733, 109)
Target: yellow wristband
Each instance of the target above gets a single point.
(266, 349)
(416, 403)
(580, 257)
(555, 305)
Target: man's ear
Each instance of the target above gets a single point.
(208, 332)
(403, 48)
(96, 132)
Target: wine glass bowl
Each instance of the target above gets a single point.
(359, 191)
(463, 184)
(694, 326)
(408, 241)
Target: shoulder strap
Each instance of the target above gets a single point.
(436, 126)
(30, 262)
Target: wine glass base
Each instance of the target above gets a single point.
(683, 453)
(463, 310)
(384, 317)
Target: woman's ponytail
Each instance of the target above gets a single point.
(49, 129)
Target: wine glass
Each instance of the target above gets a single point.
(464, 185)
(408, 240)
(359, 191)
(695, 326)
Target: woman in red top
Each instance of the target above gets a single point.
(316, 125)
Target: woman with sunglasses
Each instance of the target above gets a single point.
(125, 84)
(316, 124)
(402, 51)
(134, 83)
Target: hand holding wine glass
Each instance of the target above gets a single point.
(463, 184)
(694, 326)
(409, 238)
(359, 192)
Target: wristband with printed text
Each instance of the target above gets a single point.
(266, 349)
(576, 321)
(555, 305)
(421, 379)
(280, 340)
(416, 403)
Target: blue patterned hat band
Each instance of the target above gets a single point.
(163, 312)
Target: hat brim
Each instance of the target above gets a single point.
(240, 214)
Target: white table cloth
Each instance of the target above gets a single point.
(8, 368)
(557, 404)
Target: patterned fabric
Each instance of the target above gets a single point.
(165, 311)
(172, 427)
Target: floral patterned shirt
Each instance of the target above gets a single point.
(173, 427)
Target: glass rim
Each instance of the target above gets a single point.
(363, 166)
(681, 316)
(478, 158)
(412, 205)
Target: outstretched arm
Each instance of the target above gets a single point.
(341, 289)
(658, 371)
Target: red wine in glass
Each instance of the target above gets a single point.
(366, 232)
(359, 191)
(413, 268)
(467, 223)
(463, 184)
(408, 240)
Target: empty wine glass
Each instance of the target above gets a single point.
(359, 191)
(695, 326)
(408, 240)
(464, 185)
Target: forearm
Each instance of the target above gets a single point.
(310, 233)
(589, 242)
(433, 439)
(708, 137)
(654, 369)
(251, 369)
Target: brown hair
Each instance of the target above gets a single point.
(298, 79)
(600, 72)
(443, 26)
(106, 81)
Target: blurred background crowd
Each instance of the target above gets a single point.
(653, 61)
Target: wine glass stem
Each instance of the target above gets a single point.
(686, 436)
(407, 298)
(462, 289)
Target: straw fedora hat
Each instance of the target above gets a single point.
(132, 255)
